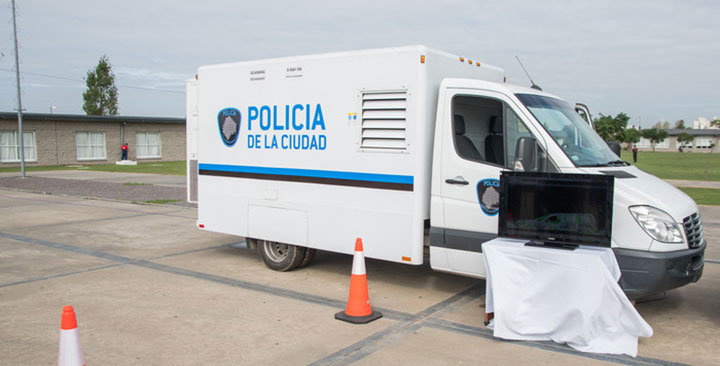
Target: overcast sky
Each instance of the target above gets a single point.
(654, 60)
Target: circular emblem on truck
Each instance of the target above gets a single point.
(229, 125)
(489, 196)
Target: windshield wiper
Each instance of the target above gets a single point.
(609, 163)
(618, 163)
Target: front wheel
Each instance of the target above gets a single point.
(280, 256)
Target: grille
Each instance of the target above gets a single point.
(693, 230)
(384, 120)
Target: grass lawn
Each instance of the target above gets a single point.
(703, 196)
(677, 165)
(157, 167)
(39, 168)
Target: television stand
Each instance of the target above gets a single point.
(595, 314)
(551, 245)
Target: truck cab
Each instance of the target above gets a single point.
(484, 128)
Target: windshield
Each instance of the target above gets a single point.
(577, 139)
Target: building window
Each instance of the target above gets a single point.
(90, 145)
(703, 142)
(643, 143)
(10, 147)
(664, 144)
(684, 145)
(148, 145)
(646, 144)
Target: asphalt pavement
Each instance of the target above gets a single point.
(148, 287)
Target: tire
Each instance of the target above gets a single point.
(280, 256)
(308, 258)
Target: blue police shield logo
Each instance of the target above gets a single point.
(489, 196)
(229, 125)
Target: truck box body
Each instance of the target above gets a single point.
(329, 148)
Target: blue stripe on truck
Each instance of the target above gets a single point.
(368, 180)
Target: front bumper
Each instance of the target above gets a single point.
(648, 273)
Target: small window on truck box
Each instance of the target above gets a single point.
(384, 120)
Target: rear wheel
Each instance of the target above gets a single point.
(280, 256)
(309, 256)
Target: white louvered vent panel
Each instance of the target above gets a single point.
(384, 121)
(402, 95)
(386, 124)
(384, 114)
(383, 134)
(390, 104)
(384, 144)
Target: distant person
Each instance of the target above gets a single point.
(634, 150)
(680, 148)
(124, 149)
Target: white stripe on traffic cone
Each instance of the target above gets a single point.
(69, 352)
(358, 310)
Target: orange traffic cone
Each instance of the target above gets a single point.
(70, 353)
(358, 310)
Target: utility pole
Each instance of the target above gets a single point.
(19, 94)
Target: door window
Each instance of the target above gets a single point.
(486, 130)
(514, 130)
(478, 129)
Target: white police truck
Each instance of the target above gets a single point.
(307, 153)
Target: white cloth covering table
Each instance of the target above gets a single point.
(567, 296)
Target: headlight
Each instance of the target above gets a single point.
(658, 224)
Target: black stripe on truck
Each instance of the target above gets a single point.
(310, 179)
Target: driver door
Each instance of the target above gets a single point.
(479, 135)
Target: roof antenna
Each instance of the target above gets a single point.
(534, 86)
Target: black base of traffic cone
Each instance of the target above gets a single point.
(358, 319)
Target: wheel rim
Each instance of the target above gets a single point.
(277, 252)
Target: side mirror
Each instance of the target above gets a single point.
(526, 155)
(615, 147)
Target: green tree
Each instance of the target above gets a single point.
(611, 128)
(660, 125)
(680, 124)
(631, 136)
(654, 135)
(685, 138)
(101, 97)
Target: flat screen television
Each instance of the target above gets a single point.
(558, 210)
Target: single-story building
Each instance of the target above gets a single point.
(62, 139)
(705, 140)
